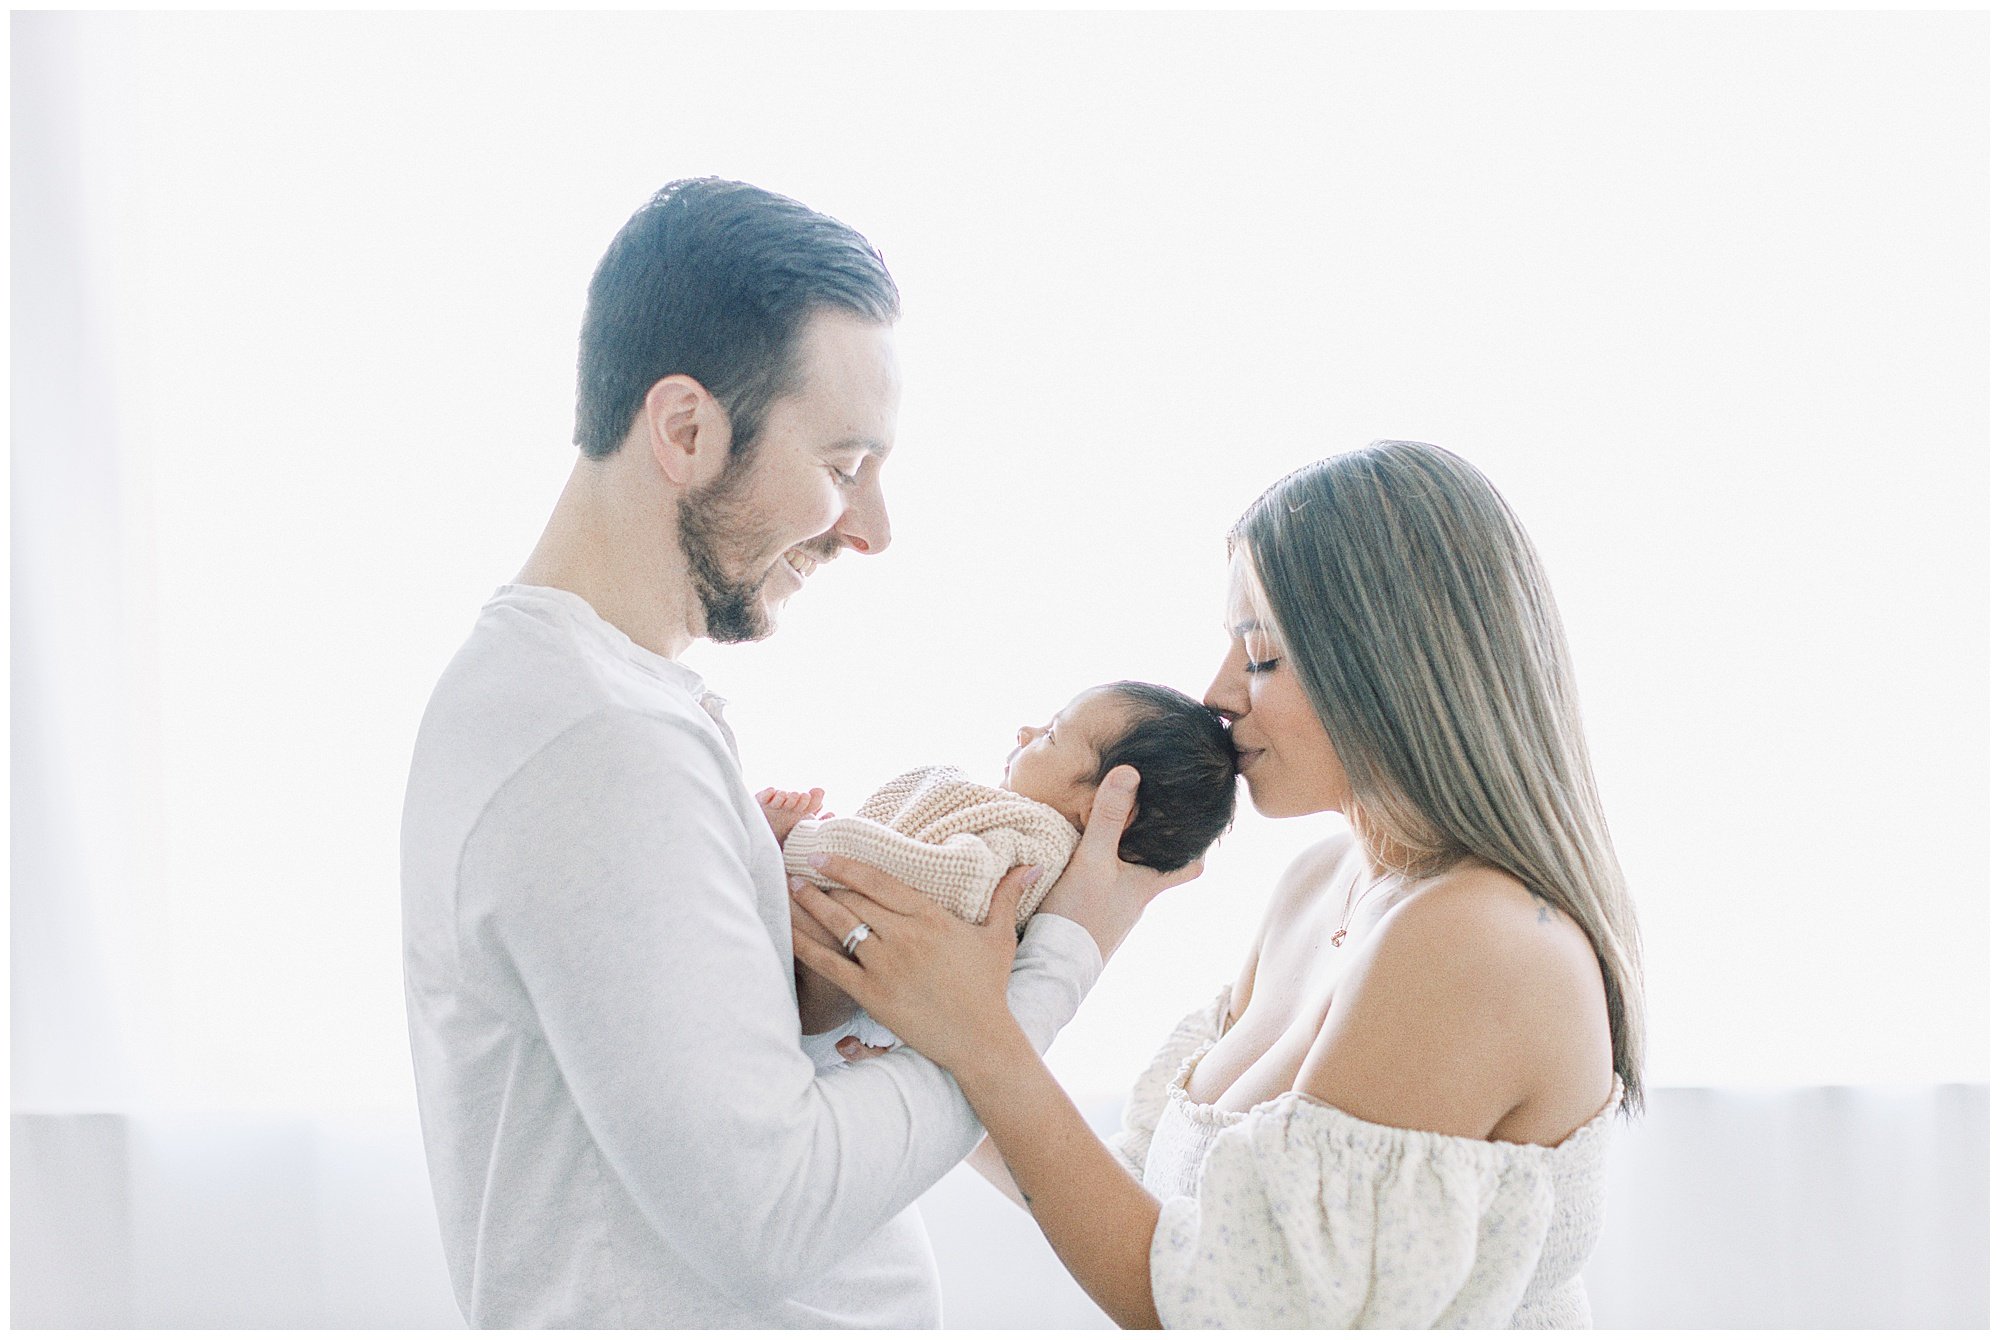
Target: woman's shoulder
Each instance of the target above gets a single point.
(1471, 896)
(1480, 922)
(1468, 1002)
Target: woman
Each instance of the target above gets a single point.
(1395, 1115)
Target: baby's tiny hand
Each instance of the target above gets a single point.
(852, 1048)
(784, 809)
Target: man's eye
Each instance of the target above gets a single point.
(844, 477)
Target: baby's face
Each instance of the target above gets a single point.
(1057, 763)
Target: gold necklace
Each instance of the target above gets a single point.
(1354, 901)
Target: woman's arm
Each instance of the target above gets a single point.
(986, 1161)
(939, 983)
(1099, 1220)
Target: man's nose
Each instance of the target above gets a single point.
(864, 527)
(1023, 735)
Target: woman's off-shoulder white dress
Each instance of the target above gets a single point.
(1295, 1214)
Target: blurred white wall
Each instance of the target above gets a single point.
(295, 302)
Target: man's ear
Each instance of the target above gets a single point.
(685, 429)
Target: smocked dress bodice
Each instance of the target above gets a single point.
(1297, 1214)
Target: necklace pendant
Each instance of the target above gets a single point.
(1338, 936)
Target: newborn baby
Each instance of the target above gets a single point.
(952, 838)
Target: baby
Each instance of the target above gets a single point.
(954, 839)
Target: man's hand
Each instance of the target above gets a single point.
(1098, 891)
(784, 809)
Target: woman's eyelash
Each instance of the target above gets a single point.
(1261, 667)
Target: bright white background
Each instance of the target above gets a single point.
(295, 308)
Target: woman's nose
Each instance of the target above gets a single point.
(1225, 694)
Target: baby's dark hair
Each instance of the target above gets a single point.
(1187, 775)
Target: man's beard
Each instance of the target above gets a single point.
(719, 529)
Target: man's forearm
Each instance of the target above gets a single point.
(1097, 1217)
(822, 1005)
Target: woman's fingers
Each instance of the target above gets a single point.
(860, 907)
(884, 890)
(837, 918)
(831, 964)
(803, 923)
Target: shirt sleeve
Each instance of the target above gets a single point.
(1307, 1217)
(610, 877)
(1149, 1094)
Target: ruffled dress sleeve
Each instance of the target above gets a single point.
(1305, 1216)
(1149, 1095)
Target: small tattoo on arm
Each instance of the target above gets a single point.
(1542, 914)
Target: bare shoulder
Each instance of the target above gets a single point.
(1471, 1001)
(1484, 921)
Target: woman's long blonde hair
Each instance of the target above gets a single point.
(1417, 615)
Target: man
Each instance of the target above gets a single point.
(622, 1126)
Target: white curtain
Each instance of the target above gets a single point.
(82, 901)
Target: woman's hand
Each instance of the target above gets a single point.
(938, 983)
(1098, 891)
(822, 1005)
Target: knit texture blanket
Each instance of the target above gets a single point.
(938, 831)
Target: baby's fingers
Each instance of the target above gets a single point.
(854, 1049)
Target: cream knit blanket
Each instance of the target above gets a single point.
(939, 831)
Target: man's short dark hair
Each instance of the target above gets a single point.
(1187, 775)
(713, 280)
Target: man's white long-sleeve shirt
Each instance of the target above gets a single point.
(621, 1126)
